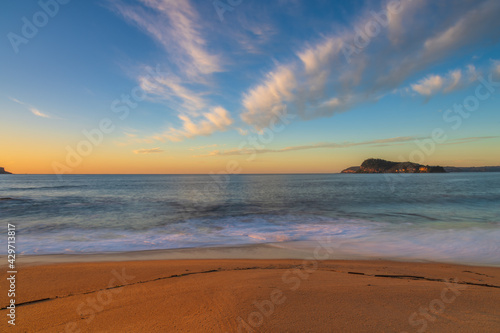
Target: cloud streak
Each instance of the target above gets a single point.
(38, 113)
(323, 145)
(31, 108)
(149, 151)
(469, 139)
(333, 145)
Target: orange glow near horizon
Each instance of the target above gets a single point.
(110, 159)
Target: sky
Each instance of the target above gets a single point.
(247, 86)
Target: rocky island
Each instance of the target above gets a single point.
(3, 172)
(377, 165)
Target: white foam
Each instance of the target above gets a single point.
(476, 244)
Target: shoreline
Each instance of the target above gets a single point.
(264, 251)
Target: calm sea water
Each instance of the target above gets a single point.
(443, 217)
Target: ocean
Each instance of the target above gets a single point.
(452, 217)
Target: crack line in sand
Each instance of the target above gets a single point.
(415, 277)
(412, 277)
(139, 282)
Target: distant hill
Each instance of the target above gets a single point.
(3, 172)
(473, 169)
(353, 169)
(377, 165)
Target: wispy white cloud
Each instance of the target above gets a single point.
(185, 80)
(31, 108)
(38, 113)
(401, 23)
(169, 87)
(453, 80)
(218, 119)
(15, 100)
(319, 82)
(262, 101)
(479, 20)
(149, 151)
(429, 85)
(175, 25)
(316, 80)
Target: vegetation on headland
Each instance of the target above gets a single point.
(3, 172)
(377, 165)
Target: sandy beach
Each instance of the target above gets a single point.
(108, 293)
(250, 166)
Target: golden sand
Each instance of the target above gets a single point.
(254, 296)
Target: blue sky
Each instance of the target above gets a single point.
(359, 79)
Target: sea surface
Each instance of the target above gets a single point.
(452, 217)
